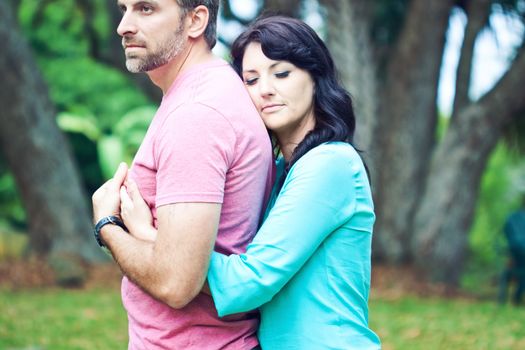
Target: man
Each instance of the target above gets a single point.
(204, 169)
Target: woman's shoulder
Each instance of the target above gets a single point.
(331, 153)
(337, 160)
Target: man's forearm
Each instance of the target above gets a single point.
(131, 254)
(163, 276)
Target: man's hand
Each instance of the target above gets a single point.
(136, 213)
(106, 200)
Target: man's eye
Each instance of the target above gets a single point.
(146, 9)
(250, 81)
(282, 74)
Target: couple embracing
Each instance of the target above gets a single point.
(245, 220)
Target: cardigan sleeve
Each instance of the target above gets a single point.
(317, 197)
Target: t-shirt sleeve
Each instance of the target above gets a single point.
(316, 198)
(193, 152)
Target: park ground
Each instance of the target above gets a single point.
(406, 313)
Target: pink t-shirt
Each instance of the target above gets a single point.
(206, 143)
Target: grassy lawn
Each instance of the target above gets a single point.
(55, 319)
(94, 319)
(426, 324)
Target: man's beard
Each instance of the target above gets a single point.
(167, 50)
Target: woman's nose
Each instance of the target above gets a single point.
(266, 87)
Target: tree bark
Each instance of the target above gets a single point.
(348, 27)
(477, 13)
(282, 7)
(405, 134)
(39, 157)
(447, 205)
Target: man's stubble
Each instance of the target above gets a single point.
(165, 52)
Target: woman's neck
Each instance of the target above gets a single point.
(288, 141)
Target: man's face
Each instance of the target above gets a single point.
(152, 31)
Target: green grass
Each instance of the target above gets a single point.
(94, 319)
(62, 319)
(414, 323)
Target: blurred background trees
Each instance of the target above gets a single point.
(443, 181)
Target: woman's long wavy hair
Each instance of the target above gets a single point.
(289, 39)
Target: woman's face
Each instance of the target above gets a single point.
(282, 92)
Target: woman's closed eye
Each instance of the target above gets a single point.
(250, 81)
(282, 74)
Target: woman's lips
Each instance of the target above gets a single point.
(274, 107)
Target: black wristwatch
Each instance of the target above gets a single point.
(112, 219)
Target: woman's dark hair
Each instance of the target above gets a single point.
(289, 39)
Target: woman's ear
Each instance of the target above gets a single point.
(198, 21)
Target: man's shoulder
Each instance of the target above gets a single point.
(217, 75)
(215, 85)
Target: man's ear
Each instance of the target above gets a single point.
(198, 21)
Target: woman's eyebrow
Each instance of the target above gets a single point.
(273, 65)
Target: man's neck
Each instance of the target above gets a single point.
(195, 53)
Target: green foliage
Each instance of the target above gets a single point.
(500, 195)
(85, 87)
(98, 102)
(54, 27)
(12, 212)
(442, 126)
(119, 143)
(104, 114)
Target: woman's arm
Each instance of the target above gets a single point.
(317, 197)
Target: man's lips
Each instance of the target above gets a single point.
(131, 46)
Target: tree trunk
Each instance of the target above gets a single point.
(405, 132)
(447, 205)
(478, 13)
(282, 7)
(348, 27)
(39, 157)
(425, 193)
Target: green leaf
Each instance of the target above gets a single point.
(137, 119)
(110, 154)
(85, 125)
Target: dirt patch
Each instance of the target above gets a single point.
(394, 282)
(388, 282)
(36, 273)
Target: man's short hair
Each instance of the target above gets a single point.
(210, 34)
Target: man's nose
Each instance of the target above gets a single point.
(127, 25)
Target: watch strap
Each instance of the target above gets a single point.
(111, 219)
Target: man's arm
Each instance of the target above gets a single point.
(194, 150)
(173, 268)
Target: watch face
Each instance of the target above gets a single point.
(102, 222)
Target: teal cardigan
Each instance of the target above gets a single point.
(308, 268)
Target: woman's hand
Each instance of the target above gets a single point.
(135, 213)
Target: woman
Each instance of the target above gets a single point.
(308, 268)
